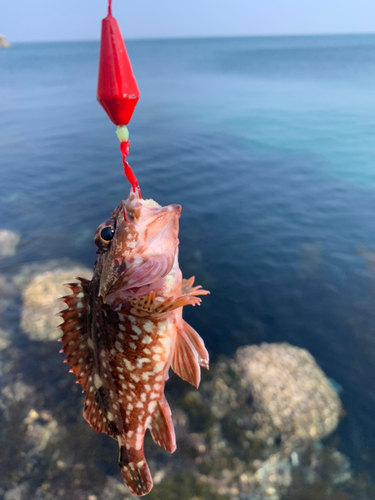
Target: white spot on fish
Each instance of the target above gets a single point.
(128, 365)
(132, 319)
(158, 367)
(121, 327)
(147, 387)
(151, 406)
(146, 375)
(148, 326)
(121, 317)
(134, 377)
(143, 397)
(80, 305)
(136, 330)
(90, 343)
(141, 361)
(157, 348)
(139, 405)
(109, 415)
(147, 351)
(156, 357)
(119, 347)
(130, 407)
(97, 381)
(103, 353)
(120, 336)
(132, 345)
(146, 339)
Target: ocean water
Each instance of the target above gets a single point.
(268, 145)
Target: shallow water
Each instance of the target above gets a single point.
(267, 143)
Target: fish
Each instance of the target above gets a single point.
(123, 330)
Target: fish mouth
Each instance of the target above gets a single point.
(150, 260)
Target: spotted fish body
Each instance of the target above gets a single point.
(123, 330)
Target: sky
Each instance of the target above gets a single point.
(55, 20)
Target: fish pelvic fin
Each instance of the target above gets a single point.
(161, 427)
(135, 471)
(189, 354)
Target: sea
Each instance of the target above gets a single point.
(268, 143)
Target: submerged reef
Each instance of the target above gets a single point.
(8, 239)
(253, 431)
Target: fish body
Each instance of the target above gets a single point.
(123, 330)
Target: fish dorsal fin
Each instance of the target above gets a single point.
(76, 346)
(161, 427)
(185, 360)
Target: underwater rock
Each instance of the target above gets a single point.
(291, 394)
(40, 306)
(269, 398)
(8, 239)
(4, 42)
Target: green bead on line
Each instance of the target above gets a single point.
(122, 133)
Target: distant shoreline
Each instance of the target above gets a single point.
(4, 44)
(213, 37)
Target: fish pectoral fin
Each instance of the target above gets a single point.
(189, 289)
(189, 297)
(135, 471)
(185, 360)
(161, 427)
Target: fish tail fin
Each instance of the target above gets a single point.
(161, 427)
(135, 471)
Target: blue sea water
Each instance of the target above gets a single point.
(268, 145)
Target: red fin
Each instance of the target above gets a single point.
(161, 427)
(188, 289)
(135, 471)
(189, 297)
(185, 359)
(75, 340)
(197, 341)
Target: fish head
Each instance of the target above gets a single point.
(137, 246)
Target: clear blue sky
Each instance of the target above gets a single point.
(43, 20)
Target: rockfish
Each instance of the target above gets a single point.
(124, 329)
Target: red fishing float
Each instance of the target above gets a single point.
(118, 91)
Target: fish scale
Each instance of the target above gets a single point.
(123, 330)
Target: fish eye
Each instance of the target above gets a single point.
(106, 234)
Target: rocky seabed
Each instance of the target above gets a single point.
(261, 426)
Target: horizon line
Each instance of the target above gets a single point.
(201, 37)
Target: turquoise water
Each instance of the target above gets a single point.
(267, 143)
